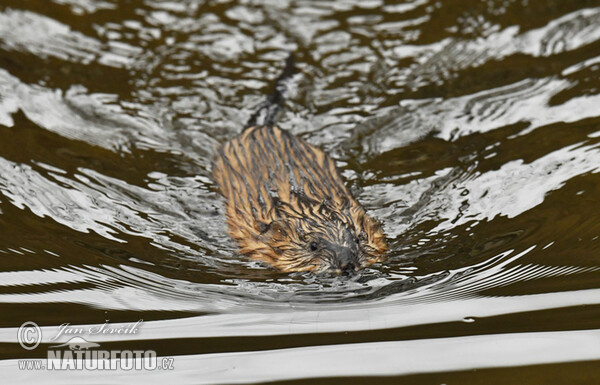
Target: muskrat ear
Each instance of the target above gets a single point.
(275, 226)
(263, 227)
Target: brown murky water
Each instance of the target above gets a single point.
(471, 129)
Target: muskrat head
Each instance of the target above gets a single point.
(302, 244)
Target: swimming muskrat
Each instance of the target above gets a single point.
(287, 204)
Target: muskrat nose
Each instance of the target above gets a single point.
(347, 260)
(349, 269)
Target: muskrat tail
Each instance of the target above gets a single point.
(267, 111)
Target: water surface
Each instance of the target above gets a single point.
(470, 129)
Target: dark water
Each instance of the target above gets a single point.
(471, 129)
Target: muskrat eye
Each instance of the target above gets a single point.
(314, 246)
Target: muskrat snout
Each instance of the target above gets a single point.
(346, 259)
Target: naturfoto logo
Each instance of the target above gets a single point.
(79, 353)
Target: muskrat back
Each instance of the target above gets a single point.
(288, 206)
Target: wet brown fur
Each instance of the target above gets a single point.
(282, 193)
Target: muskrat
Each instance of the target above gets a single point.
(287, 204)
